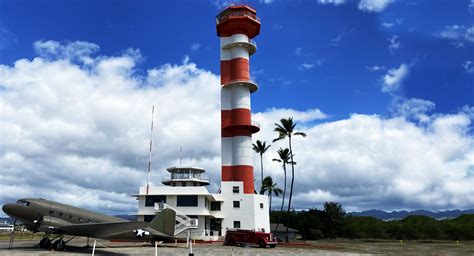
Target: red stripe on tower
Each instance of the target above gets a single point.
(236, 26)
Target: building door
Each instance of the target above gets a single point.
(216, 226)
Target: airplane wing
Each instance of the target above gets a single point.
(161, 227)
(115, 230)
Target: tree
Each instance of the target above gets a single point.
(286, 130)
(260, 148)
(271, 188)
(333, 219)
(284, 155)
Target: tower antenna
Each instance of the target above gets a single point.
(151, 147)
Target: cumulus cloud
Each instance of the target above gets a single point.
(373, 5)
(67, 129)
(368, 162)
(393, 79)
(79, 134)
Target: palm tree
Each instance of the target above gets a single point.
(260, 148)
(286, 129)
(271, 188)
(284, 155)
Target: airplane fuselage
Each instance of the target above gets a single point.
(43, 215)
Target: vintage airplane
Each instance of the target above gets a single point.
(52, 218)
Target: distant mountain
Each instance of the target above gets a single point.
(382, 215)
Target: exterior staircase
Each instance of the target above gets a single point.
(183, 222)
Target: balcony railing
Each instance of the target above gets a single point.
(224, 16)
(190, 178)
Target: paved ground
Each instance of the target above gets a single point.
(320, 247)
(75, 247)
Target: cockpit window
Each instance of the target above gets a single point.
(23, 202)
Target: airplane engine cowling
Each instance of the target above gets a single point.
(50, 224)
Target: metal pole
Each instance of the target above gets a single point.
(93, 248)
(156, 248)
(151, 146)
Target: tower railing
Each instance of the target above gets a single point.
(224, 16)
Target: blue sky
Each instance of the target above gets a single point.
(337, 42)
(365, 76)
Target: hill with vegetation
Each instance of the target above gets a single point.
(334, 222)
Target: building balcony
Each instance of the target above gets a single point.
(251, 85)
(202, 180)
(249, 44)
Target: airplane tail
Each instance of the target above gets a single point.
(164, 221)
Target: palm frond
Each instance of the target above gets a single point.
(300, 134)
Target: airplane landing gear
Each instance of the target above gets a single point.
(45, 242)
(59, 245)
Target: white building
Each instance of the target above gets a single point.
(186, 192)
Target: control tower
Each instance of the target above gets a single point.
(236, 26)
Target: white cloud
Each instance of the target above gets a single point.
(414, 109)
(266, 1)
(306, 66)
(394, 42)
(195, 46)
(373, 5)
(375, 68)
(368, 162)
(333, 2)
(70, 131)
(393, 79)
(78, 134)
(457, 34)
(471, 6)
(74, 51)
(468, 66)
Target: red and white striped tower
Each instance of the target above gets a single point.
(236, 26)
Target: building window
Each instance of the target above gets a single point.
(236, 224)
(151, 200)
(61, 214)
(51, 212)
(215, 206)
(261, 205)
(187, 201)
(148, 218)
(236, 204)
(235, 189)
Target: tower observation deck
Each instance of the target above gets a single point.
(236, 27)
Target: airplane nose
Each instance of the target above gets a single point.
(8, 208)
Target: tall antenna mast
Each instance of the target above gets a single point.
(151, 146)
